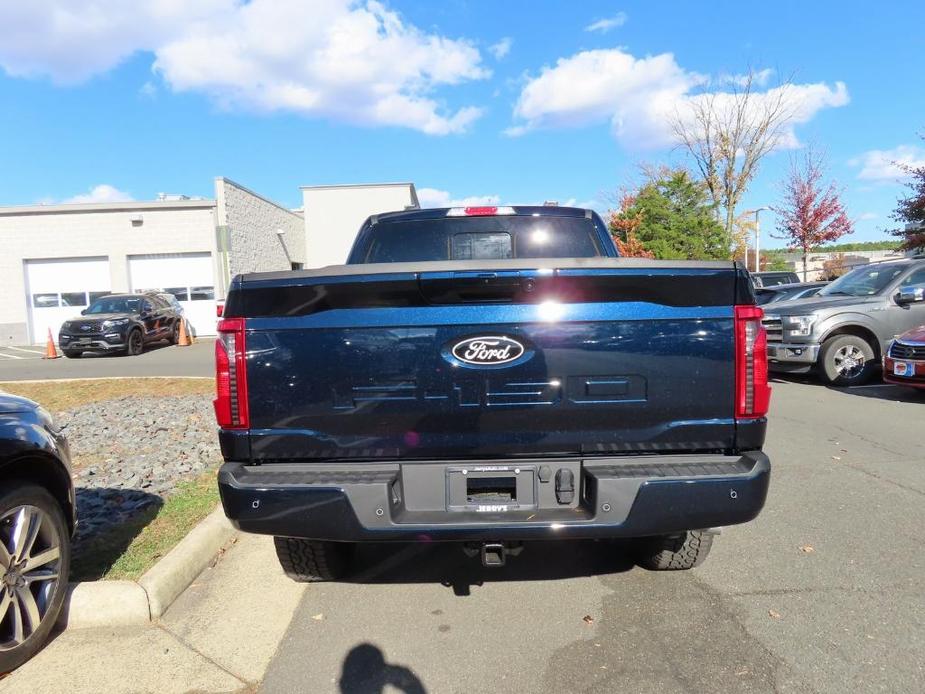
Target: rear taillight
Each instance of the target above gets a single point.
(231, 375)
(753, 395)
(483, 211)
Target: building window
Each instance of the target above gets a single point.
(202, 293)
(182, 293)
(73, 298)
(296, 266)
(45, 300)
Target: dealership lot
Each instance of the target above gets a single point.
(26, 363)
(824, 591)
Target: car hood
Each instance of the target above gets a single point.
(914, 335)
(801, 307)
(99, 316)
(14, 403)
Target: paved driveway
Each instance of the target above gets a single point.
(25, 363)
(824, 592)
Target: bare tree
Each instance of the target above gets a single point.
(727, 134)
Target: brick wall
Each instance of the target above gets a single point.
(252, 223)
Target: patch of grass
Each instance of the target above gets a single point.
(128, 551)
(65, 395)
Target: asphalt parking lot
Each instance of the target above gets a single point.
(825, 591)
(26, 363)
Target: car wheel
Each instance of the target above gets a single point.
(675, 552)
(135, 343)
(847, 360)
(34, 561)
(309, 561)
(175, 333)
(72, 353)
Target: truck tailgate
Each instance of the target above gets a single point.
(508, 359)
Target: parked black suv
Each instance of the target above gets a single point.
(120, 323)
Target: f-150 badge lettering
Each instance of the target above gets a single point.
(489, 350)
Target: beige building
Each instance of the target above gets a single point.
(815, 262)
(57, 259)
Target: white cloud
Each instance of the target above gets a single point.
(867, 216)
(502, 48)
(432, 197)
(358, 62)
(885, 165)
(641, 96)
(101, 193)
(605, 25)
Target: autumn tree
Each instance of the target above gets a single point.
(727, 134)
(623, 224)
(811, 212)
(670, 217)
(910, 210)
(835, 267)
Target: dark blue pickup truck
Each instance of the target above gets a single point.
(490, 375)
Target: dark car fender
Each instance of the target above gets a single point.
(32, 448)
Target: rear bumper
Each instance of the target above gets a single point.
(630, 496)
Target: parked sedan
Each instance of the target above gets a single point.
(37, 519)
(904, 361)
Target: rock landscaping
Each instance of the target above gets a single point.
(131, 452)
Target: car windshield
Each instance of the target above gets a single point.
(482, 238)
(116, 304)
(864, 281)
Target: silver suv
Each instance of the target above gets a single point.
(843, 331)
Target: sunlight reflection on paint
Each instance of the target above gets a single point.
(550, 311)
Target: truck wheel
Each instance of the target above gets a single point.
(135, 343)
(847, 360)
(675, 552)
(308, 561)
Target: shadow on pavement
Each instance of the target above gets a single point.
(365, 671)
(876, 389)
(114, 355)
(445, 563)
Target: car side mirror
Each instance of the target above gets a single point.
(83, 312)
(910, 295)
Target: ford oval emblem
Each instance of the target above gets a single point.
(488, 350)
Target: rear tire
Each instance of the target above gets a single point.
(675, 552)
(847, 360)
(310, 561)
(175, 332)
(135, 343)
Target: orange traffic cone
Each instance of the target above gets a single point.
(50, 351)
(184, 340)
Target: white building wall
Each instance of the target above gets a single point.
(815, 262)
(333, 215)
(92, 230)
(252, 223)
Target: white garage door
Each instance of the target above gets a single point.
(188, 276)
(57, 290)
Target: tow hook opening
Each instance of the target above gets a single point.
(493, 554)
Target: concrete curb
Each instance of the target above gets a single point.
(119, 603)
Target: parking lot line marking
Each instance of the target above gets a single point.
(10, 356)
(28, 351)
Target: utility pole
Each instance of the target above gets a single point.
(757, 240)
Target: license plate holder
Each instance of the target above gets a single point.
(490, 488)
(906, 369)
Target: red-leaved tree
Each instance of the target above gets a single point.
(811, 212)
(623, 225)
(910, 210)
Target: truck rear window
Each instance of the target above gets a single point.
(481, 238)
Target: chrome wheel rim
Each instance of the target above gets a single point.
(849, 361)
(30, 558)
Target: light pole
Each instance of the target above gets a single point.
(757, 239)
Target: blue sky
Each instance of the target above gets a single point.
(515, 101)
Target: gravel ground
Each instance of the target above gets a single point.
(131, 452)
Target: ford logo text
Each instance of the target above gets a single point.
(488, 351)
